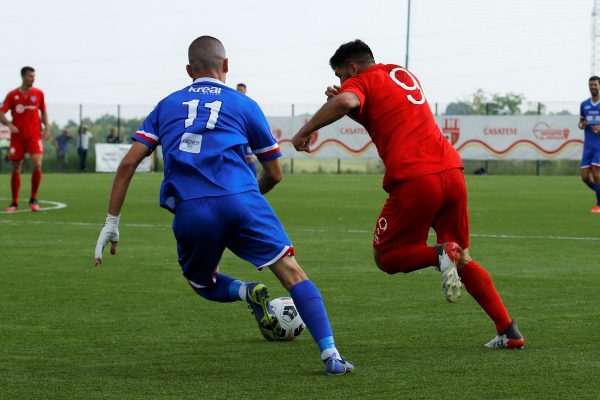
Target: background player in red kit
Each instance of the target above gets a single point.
(25, 104)
(424, 179)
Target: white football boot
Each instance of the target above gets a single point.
(449, 254)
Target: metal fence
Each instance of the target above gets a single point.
(125, 119)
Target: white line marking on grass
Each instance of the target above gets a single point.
(15, 222)
(311, 230)
(54, 205)
(482, 235)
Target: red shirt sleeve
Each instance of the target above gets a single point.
(42, 102)
(358, 88)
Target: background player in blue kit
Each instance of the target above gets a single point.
(204, 130)
(590, 121)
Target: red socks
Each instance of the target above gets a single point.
(408, 259)
(36, 179)
(478, 283)
(15, 186)
(476, 279)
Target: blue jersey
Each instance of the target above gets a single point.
(591, 113)
(204, 130)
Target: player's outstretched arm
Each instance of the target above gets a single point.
(336, 107)
(270, 175)
(110, 230)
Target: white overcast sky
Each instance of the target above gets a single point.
(134, 52)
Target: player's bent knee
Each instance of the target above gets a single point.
(288, 271)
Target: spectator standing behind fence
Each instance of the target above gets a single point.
(25, 104)
(250, 158)
(112, 137)
(61, 142)
(589, 121)
(83, 145)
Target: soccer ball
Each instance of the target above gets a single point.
(289, 318)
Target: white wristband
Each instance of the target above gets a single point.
(112, 219)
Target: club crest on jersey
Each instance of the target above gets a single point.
(205, 90)
(33, 99)
(191, 143)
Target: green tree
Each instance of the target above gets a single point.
(540, 110)
(481, 103)
(508, 104)
(101, 126)
(459, 108)
(563, 112)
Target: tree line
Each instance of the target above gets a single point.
(101, 126)
(483, 103)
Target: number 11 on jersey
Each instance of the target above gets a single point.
(215, 108)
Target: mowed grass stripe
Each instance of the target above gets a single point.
(132, 329)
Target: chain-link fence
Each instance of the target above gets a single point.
(62, 155)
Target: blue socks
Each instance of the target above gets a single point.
(310, 305)
(225, 290)
(596, 188)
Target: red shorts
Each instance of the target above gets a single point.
(437, 201)
(21, 144)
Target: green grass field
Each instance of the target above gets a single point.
(133, 329)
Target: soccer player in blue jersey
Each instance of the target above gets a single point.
(590, 121)
(204, 130)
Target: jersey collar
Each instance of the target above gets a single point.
(594, 104)
(207, 79)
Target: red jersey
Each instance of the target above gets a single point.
(24, 109)
(394, 111)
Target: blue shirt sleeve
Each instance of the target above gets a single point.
(260, 138)
(148, 132)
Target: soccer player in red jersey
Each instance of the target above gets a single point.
(423, 176)
(25, 104)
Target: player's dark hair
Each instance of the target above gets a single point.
(241, 85)
(595, 78)
(356, 51)
(26, 70)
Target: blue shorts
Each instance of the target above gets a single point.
(244, 223)
(591, 156)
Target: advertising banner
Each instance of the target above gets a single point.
(536, 137)
(548, 137)
(108, 157)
